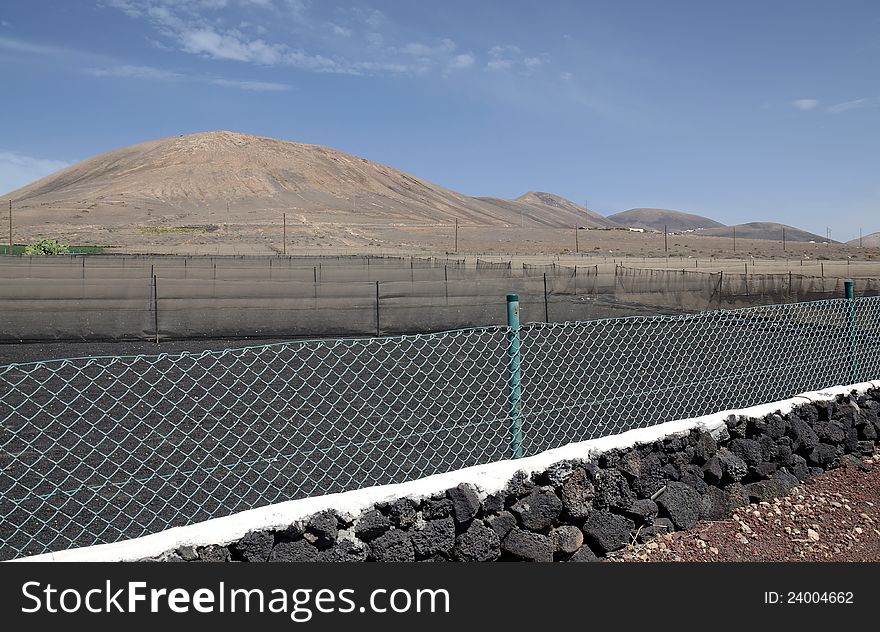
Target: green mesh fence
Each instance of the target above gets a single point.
(102, 449)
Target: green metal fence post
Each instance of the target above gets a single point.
(849, 288)
(514, 376)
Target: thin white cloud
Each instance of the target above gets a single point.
(508, 58)
(461, 62)
(866, 102)
(419, 49)
(134, 72)
(252, 86)
(17, 170)
(804, 104)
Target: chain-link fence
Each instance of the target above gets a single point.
(101, 449)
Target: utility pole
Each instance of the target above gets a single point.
(783, 239)
(10, 228)
(577, 248)
(860, 238)
(284, 245)
(665, 239)
(734, 238)
(456, 236)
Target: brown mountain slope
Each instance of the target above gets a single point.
(188, 180)
(657, 218)
(764, 230)
(542, 199)
(871, 240)
(533, 213)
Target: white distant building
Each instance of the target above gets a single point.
(636, 230)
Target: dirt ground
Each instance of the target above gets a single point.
(834, 518)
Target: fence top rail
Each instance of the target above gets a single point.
(365, 341)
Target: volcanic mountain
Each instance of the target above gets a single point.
(765, 230)
(871, 240)
(658, 218)
(190, 180)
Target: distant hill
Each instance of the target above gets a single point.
(541, 198)
(657, 218)
(190, 179)
(871, 240)
(765, 230)
(535, 207)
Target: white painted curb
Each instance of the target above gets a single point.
(487, 478)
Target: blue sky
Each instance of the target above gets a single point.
(741, 111)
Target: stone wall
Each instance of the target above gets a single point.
(580, 511)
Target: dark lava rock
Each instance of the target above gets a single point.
(764, 470)
(557, 473)
(612, 490)
(344, 551)
(767, 490)
(606, 531)
(736, 495)
(529, 546)
(583, 554)
(465, 502)
(681, 503)
(402, 512)
(803, 437)
(848, 460)
(775, 427)
(477, 544)
(255, 546)
(493, 504)
(642, 511)
(737, 426)
(714, 504)
(733, 468)
(214, 553)
(393, 546)
(712, 472)
(652, 477)
(371, 525)
(188, 553)
(437, 536)
(693, 475)
(830, 431)
(502, 523)
(865, 448)
(434, 508)
(577, 494)
(822, 455)
(296, 551)
(748, 450)
(538, 511)
(567, 538)
(705, 447)
(521, 484)
(324, 527)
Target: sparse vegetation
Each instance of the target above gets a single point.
(45, 247)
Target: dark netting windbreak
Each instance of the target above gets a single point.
(98, 450)
(165, 297)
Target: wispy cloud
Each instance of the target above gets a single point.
(134, 72)
(252, 86)
(866, 102)
(804, 104)
(17, 170)
(460, 62)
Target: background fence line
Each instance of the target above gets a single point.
(97, 450)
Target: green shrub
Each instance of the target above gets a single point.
(46, 247)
